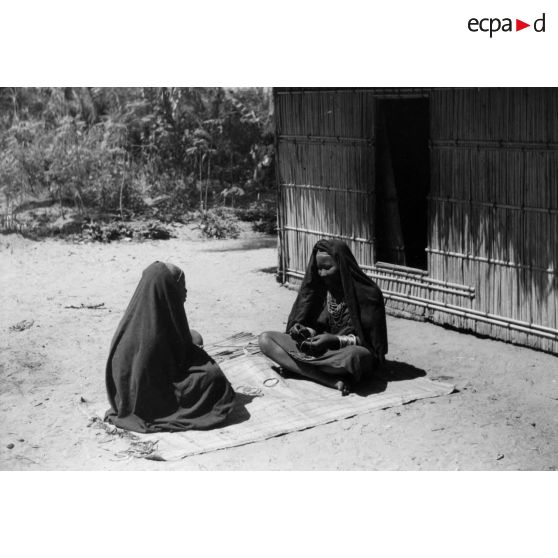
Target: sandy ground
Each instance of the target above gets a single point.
(503, 417)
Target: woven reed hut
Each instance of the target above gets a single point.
(447, 197)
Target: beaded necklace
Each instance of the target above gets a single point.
(336, 310)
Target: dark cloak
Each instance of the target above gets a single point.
(156, 378)
(363, 297)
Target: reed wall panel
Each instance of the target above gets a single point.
(493, 203)
(499, 332)
(510, 235)
(495, 114)
(505, 175)
(340, 165)
(492, 207)
(337, 113)
(325, 171)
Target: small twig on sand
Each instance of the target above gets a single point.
(86, 306)
(22, 326)
(26, 458)
(137, 447)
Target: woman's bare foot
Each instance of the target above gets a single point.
(343, 387)
(280, 370)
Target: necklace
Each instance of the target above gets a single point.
(336, 310)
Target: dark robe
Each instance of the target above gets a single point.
(156, 378)
(363, 297)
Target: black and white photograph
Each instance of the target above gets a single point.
(223, 278)
(278, 278)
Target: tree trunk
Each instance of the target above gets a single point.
(60, 200)
(121, 194)
(201, 188)
(208, 178)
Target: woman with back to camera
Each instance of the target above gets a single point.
(158, 376)
(336, 331)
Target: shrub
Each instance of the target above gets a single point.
(262, 215)
(117, 230)
(219, 223)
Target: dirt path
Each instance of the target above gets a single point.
(505, 415)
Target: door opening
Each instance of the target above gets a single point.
(402, 182)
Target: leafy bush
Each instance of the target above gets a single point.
(103, 229)
(262, 215)
(174, 198)
(117, 230)
(219, 223)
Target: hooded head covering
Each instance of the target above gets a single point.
(363, 297)
(175, 271)
(148, 362)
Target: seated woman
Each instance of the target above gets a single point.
(336, 331)
(158, 377)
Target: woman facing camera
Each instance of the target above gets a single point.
(336, 331)
(158, 377)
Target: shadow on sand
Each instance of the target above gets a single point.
(271, 270)
(392, 371)
(248, 244)
(240, 412)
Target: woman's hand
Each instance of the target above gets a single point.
(299, 333)
(319, 344)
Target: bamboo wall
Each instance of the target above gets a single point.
(325, 161)
(493, 203)
(494, 209)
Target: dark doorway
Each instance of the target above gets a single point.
(402, 181)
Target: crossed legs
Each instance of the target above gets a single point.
(276, 346)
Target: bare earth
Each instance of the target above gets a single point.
(504, 415)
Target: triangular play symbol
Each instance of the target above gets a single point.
(519, 25)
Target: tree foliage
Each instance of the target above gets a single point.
(166, 150)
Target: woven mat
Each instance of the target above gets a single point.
(269, 405)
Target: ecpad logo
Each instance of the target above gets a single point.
(492, 25)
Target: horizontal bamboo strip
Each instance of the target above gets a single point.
(493, 144)
(328, 189)
(471, 314)
(398, 92)
(490, 260)
(496, 320)
(329, 235)
(423, 280)
(400, 268)
(494, 205)
(425, 286)
(532, 325)
(411, 279)
(325, 139)
(415, 274)
(395, 95)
